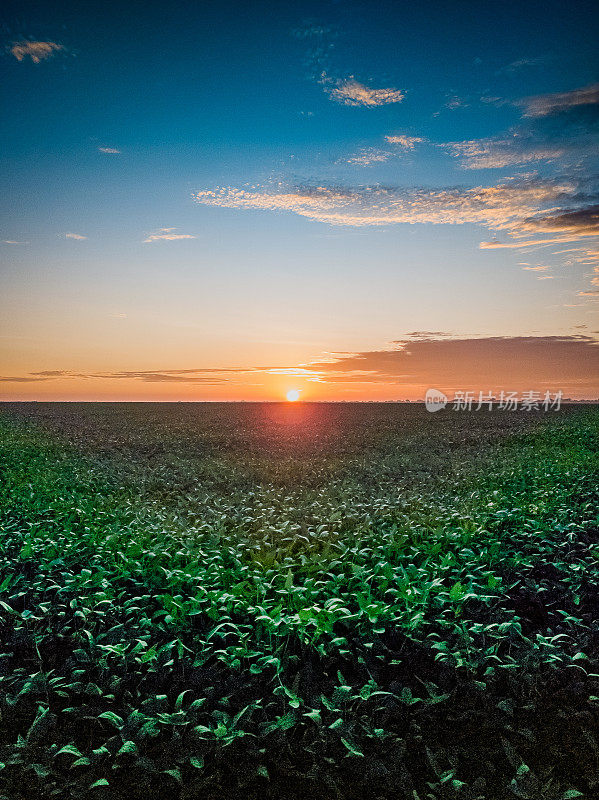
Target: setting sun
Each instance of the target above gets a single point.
(293, 395)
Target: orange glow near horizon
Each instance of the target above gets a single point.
(393, 372)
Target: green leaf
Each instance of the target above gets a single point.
(69, 749)
(113, 718)
(127, 747)
(457, 591)
(352, 749)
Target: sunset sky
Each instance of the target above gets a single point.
(228, 201)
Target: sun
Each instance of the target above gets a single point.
(293, 395)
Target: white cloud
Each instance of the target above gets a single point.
(168, 235)
(76, 236)
(109, 150)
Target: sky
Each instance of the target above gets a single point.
(357, 201)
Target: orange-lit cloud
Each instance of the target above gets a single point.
(502, 206)
(352, 93)
(77, 236)
(407, 142)
(36, 51)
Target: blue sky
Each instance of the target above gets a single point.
(214, 186)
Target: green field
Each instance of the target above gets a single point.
(227, 601)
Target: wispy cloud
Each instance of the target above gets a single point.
(36, 51)
(109, 150)
(521, 63)
(207, 376)
(12, 241)
(168, 235)
(374, 155)
(495, 244)
(350, 92)
(535, 269)
(76, 236)
(368, 156)
(505, 206)
(407, 142)
(427, 335)
(501, 152)
(453, 102)
(296, 372)
(544, 104)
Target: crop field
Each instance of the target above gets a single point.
(325, 601)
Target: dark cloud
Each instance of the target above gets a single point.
(569, 363)
(583, 221)
(211, 375)
(21, 379)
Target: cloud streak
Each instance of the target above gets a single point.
(498, 152)
(168, 235)
(545, 104)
